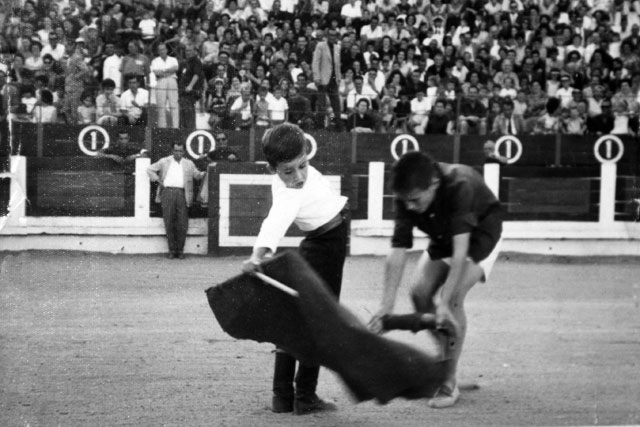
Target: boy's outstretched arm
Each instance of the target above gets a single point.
(394, 268)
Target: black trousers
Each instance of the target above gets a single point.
(330, 91)
(176, 218)
(326, 254)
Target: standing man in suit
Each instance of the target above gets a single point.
(326, 74)
(175, 175)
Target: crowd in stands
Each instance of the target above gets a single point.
(417, 66)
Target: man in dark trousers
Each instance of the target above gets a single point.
(190, 83)
(175, 175)
(326, 72)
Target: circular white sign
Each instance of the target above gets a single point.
(93, 132)
(608, 141)
(201, 137)
(314, 146)
(404, 140)
(508, 140)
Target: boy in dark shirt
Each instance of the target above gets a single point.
(463, 218)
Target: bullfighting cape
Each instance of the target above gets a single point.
(315, 328)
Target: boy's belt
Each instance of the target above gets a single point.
(331, 224)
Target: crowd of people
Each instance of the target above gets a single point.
(414, 66)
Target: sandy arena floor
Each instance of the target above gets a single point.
(103, 340)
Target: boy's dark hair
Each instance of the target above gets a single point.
(283, 143)
(414, 170)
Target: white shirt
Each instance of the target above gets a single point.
(126, 101)
(164, 65)
(277, 108)
(353, 97)
(56, 53)
(175, 176)
(420, 108)
(620, 125)
(245, 112)
(148, 28)
(111, 70)
(352, 11)
(309, 207)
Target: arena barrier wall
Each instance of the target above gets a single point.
(559, 192)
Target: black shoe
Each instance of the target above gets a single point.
(281, 404)
(180, 255)
(309, 405)
(171, 255)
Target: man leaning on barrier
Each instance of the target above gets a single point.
(122, 151)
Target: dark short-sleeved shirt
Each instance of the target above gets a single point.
(473, 109)
(463, 204)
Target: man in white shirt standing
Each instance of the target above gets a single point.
(111, 66)
(165, 67)
(175, 175)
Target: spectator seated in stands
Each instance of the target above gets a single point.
(361, 121)
(86, 109)
(299, 109)
(216, 104)
(242, 108)
(278, 108)
(261, 109)
(45, 111)
(420, 108)
(549, 122)
(507, 123)
(134, 103)
(122, 150)
(473, 114)
(439, 121)
(108, 105)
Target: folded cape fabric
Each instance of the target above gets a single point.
(315, 328)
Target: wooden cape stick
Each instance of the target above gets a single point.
(276, 284)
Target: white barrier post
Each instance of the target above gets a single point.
(608, 173)
(608, 149)
(375, 191)
(492, 177)
(18, 167)
(143, 189)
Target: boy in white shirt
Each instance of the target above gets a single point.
(302, 195)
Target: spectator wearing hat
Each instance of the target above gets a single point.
(165, 69)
